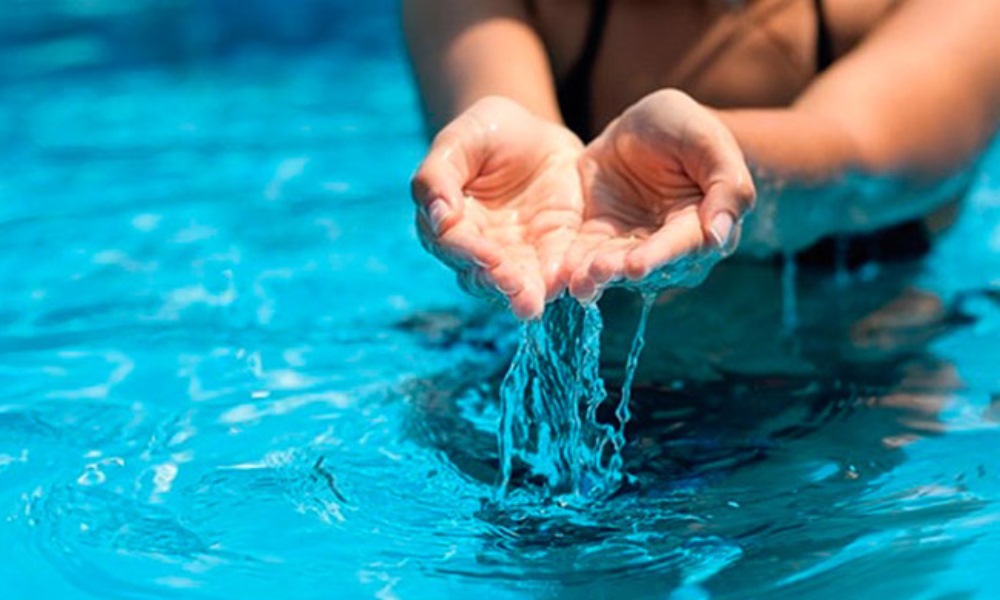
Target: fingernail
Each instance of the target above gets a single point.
(509, 288)
(587, 293)
(593, 296)
(482, 263)
(722, 228)
(635, 271)
(437, 211)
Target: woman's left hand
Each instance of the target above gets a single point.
(665, 180)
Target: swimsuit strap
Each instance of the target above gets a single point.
(575, 92)
(824, 39)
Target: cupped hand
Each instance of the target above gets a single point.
(500, 202)
(665, 181)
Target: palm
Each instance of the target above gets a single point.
(533, 216)
(514, 202)
(516, 205)
(652, 181)
(635, 200)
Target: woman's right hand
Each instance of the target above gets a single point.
(499, 201)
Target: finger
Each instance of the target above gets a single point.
(436, 189)
(728, 188)
(441, 215)
(726, 202)
(609, 265)
(525, 295)
(553, 278)
(460, 246)
(676, 239)
(497, 283)
(507, 277)
(453, 160)
(604, 266)
(575, 258)
(581, 285)
(529, 302)
(581, 252)
(551, 250)
(555, 283)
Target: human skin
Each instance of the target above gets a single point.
(686, 95)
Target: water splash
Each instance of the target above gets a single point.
(544, 441)
(546, 445)
(552, 439)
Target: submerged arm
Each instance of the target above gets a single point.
(881, 136)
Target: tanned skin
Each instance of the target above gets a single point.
(690, 97)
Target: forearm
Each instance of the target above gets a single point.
(886, 134)
(465, 50)
(792, 146)
(814, 180)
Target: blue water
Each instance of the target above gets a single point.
(229, 371)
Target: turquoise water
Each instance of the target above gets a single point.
(229, 371)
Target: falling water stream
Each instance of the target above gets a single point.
(631, 364)
(545, 441)
(553, 441)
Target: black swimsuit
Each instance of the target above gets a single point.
(904, 241)
(575, 92)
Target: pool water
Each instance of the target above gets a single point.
(229, 371)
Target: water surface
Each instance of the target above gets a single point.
(228, 370)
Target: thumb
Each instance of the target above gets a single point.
(728, 196)
(453, 161)
(716, 163)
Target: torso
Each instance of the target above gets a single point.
(760, 55)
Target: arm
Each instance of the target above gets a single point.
(483, 70)
(498, 193)
(880, 136)
(465, 50)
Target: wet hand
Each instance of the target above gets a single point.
(499, 201)
(664, 181)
